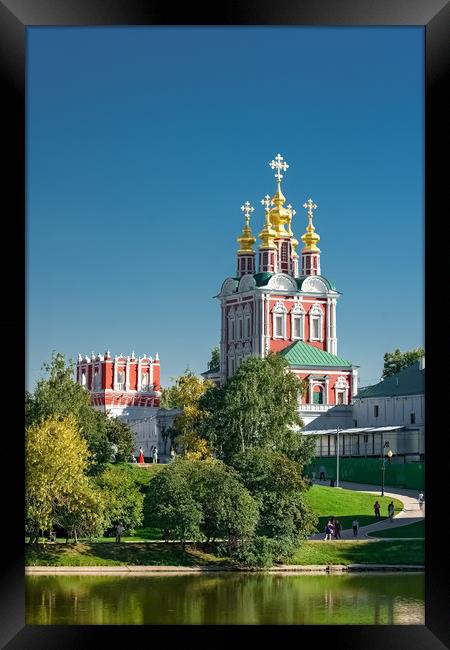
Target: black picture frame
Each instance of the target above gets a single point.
(15, 17)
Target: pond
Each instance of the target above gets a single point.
(227, 598)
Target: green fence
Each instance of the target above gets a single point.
(368, 470)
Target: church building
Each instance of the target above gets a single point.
(276, 302)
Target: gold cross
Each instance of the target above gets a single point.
(278, 165)
(310, 206)
(247, 208)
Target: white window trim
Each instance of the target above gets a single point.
(341, 386)
(298, 313)
(315, 313)
(279, 310)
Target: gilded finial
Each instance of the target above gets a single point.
(246, 240)
(279, 215)
(267, 234)
(310, 237)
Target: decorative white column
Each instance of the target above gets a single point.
(326, 389)
(310, 389)
(139, 374)
(127, 374)
(328, 326)
(355, 382)
(115, 374)
(333, 327)
(150, 373)
(262, 325)
(267, 327)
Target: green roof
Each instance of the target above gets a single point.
(302, 354)
(409, 381)
(263, 278)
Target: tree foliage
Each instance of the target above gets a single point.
(57, 491)
(60, 395)
(202, 500)
(123, 497)
(214, 362)
(185, 394)
(396, 361)
(275, 481)
(257, 407)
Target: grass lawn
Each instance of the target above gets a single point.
(410, 530)
(98, 554)
(347, 505)
(401, 552)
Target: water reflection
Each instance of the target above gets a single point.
(226, 599)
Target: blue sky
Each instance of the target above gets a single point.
(143, 143)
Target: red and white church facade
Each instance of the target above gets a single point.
(127, 387)
(275, 304)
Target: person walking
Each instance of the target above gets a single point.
(321, 473)
(421, 499)
(355, 526)
(328, 530)
(141, 455)
(155, 455)
(391, 510)
(376, 508)
(337, 529)
(119, 532)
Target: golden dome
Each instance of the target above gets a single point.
(246, 239)
(310, 238)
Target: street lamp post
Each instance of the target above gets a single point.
(383, 467)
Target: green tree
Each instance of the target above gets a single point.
(396, 361)
(185, 394)
(171, 506)
(60, 395)
(193, 499)
(258, 407)
(275, 481)
(214, 362)
(229, 511)
(57, 489)
(123, 496)
(120, 434)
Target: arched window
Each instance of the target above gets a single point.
(315, 323)
(231, 325)
(279, 321)
(247, 322)
(121, 380)
(97, 380)
(341, 391)
(83, 377)
(297, 322)
(144, 380)
(317, 395)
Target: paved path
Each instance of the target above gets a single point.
(409, 515)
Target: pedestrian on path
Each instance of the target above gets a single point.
(337, 529)
(329, 530)
(391, 510)
(119, 532)
(321, 473)
(155, 455)
(376, 508)
(421, 499)
(141, 455)
(355, 526)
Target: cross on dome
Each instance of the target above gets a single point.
(247, 208)
(310, 206)
(267, 201)
(279, 165)
(291, 210)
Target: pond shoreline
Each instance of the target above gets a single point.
(172, 570)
